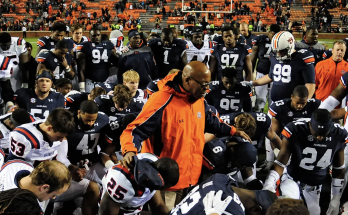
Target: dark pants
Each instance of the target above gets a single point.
(24, 34)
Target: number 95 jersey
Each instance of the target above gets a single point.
(311, 158)
(192, 204)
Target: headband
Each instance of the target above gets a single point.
(319, 127)
(44, 74)
(14, 122)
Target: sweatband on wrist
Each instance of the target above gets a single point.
(251, 178)
(337, 186)
(280, 164)
(82, 86)
(329, 103)
(340, 167)
(272, 177)
(109, 164)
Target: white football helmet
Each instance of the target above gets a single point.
(283, 40)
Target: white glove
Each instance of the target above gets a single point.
(334, 206)
(271, 181)
(82, 86)
(125, 49)
(213, 204)
(266, 165)
(269, 187)
(247, 83)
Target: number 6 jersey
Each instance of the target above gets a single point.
(310, 158)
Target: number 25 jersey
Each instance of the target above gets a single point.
(286, 75)
(310, 158)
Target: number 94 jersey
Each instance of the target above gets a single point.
(193, 204)
(203, 54)
(311, 158)
(286, 75)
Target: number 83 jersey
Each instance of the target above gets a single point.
(310, 158)
(203, 54)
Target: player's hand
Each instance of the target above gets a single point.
(64, 62)
(269, 187)
(127, 160)
(247, 83)
(334, 206)
(213, 204)
(77, 173)
(242, 134)
(125, 49)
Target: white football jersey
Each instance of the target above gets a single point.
(27, 142)
(2, 157)
(203, 54)
(6, 67)
(118, 42)
(122, 187)
(12, 171)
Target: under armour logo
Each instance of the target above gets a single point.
(127, 110)
(328, 139)
(50, 100)
(95, 124)
(236, 93)
(305, 112)
(320, 126)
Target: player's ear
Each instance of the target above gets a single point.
(44, 188)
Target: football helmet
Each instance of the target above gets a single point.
(283, 45)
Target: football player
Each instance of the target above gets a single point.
(169, 53)
(77, 34)
(40, 140)
(57, 61)
(46, 181)
(261, 49)
(41, 101)
(6, 68)
(218, 39)
(127, 190)
(310, 43)
(63, 86)
(228, 95)
(289, 68)
(231, 54)
(14, 48)
(152, 86)
(94, 60)
(313, 145)
(244, 30)
(197, 49)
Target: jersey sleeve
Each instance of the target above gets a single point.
(214, 153)
(288, 130)
(41, 42)
(275, 108)
(117, 184)
(152, 87)
(22, 142)
(42, 57)
(100, 102)
(248, 50)
(256, 40)
(308, 71)
(327, 54)
(21, 46)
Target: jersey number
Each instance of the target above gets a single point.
(225, 59)
(117, 193)
(282, 73)
(166, 52)
(269, 49)
(226, 104)
(307, 163)
(96, 56)
(88, 143)
(37, 112)
(226, 119)
(205, 60)
(260, 117)
(17, 148)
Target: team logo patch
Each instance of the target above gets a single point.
(310, 138)
(290, 114)
(343, 71)
(223, 92)
(52, 43)
(112, 109)
(93, 44)
(224, 49)
(159, 43)
(32, 100)
(55, 60)
(199, 115)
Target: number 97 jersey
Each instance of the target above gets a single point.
(193, 203)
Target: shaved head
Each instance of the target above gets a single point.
(244, 29)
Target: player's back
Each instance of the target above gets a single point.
(73, 101)
(214, 183)
(152, 87)
(12, 171)
(199, 54)
(316, 49)
(264, 49)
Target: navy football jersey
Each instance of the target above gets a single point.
(27, 99)
(108, 87)
(98, 59)
(286, 75)
(167, 58)
(47, 43)
(263, 124)
(226, 101)
(285, 114)
(53, 63)
(74, 101)
(192, 204)
(107, 105)
(218, 40)
(231, 57)
(317, 49)
(310, 158)
(152, 86)
(264, 49)
(82, 144)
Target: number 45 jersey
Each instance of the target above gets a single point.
(203, 54)
(193, 204)
(310, 158)
(286, 75)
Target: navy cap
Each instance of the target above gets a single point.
(265, 199)
(197, 30)
(321, 128)
(146, 175)
(245, 153)
(133, 33)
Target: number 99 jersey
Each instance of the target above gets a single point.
(311, 158)
(192, 204)
(286, 75)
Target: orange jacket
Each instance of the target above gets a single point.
(327, 77)
(176, 128)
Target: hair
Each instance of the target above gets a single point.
(275, 28)
(246, 122)
(21, 116)
(59, 26)
(130, 75)
(75, 27)
(311, 28)
(62, 82)
(62, 44)
(341, 42)
(173, 71)
(19, 202)
(322, 115)
(167, 31)
(229, 73)
(53, 173)
(28, 45)
(5, 37)
(300, 91)
(287, 207)
(89, 106)
(122, 95)
(61, 121)
(104, 37)
(169, 170)
(154, 34)
(235, 31)
(97, 91)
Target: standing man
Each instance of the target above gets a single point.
(244, 30)
(177, 117)
(31, 66)
(24, 29)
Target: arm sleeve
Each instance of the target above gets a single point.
(215, 125)
(63, 153)
(61, 101)
(247, 105)
(40, 42)
(145, 124)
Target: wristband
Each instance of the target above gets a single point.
(67, 68)
(337, 186)
(109, 164)
(82, 86)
